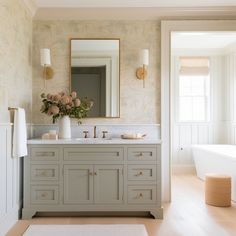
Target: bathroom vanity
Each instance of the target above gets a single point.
(92, 175)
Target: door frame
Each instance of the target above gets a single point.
(166, 117)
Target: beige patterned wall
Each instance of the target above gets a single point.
(15, 56)
(138, 104)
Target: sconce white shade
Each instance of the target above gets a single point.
(45, 57)
(145, 57)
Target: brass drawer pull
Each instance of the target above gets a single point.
(44, 194)
(140, 195)
(40, 173)
(139, 174)
(141, 154)
(44, 154)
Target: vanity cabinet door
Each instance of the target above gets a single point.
(78, 184)
(108, 184)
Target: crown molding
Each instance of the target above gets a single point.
(136, 13)
(30, 6)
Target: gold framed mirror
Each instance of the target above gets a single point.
(95, 74)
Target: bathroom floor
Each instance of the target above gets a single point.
(187, 215)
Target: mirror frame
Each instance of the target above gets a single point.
(103, 117)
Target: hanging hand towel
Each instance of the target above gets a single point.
(19, 134)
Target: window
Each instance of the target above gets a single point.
(194, 90)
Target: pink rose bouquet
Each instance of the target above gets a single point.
(59, 105)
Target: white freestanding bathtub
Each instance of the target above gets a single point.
(220, 159)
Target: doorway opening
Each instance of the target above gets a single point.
(167, 28)
(202, 95)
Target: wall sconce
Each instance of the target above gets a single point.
(46, 63)
(142, 72)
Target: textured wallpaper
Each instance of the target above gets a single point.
(15, 56)
(137, 104)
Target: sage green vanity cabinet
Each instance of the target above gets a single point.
(84, 184)
(93, 178)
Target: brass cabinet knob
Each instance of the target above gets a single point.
(91, 173)
(95, 173)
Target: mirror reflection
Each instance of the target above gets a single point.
(95, 74)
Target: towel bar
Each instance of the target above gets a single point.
(12, 108)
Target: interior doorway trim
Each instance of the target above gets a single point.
(166, 28)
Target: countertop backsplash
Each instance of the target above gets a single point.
(114, 130)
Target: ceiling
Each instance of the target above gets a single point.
(133, 3)
(134, 9)
(203, 40)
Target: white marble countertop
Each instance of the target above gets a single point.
(95, 141)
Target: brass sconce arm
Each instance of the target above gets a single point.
(141, 72)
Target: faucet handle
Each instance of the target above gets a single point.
(104, 134)
(85, 133)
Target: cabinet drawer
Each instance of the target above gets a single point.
(93, 154)
(141, 194)
(41, 194)
(44, 154)
(44, 172)
(142, 172)
(142, 154)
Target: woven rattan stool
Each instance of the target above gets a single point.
(218, 190)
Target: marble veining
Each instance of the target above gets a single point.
(95, 141)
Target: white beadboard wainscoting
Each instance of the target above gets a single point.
(187, 134)
(231, 133)
(10, 178)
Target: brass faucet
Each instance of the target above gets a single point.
(95, 132)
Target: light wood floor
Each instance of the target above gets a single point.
(186, 215)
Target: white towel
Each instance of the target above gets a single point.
(19, 134)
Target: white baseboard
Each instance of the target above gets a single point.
(8, 220)
(183, 169)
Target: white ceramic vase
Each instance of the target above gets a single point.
(64, 127)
